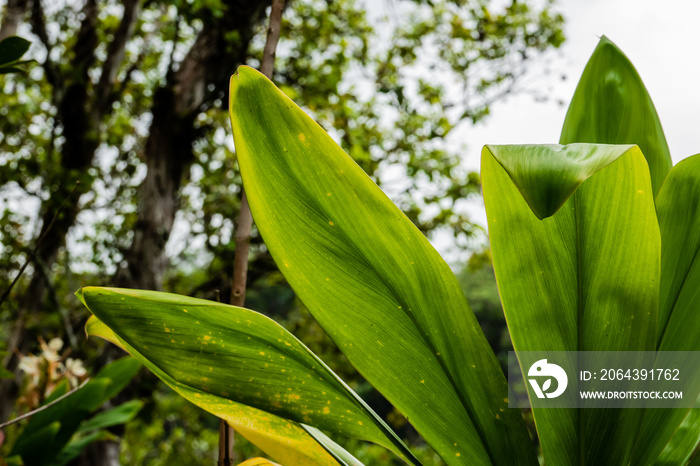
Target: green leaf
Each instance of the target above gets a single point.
(75, 447)
(282, 439)
(336, 451)
(31, 443)
(250, 366)
(372, 280)
(550, 173)
(12, 48)
(678, 210)
(684, 442)
(5, 374)
(583, 279)
(119, 373)
(257, 462)
(72, 410)
(10, 69)
(612, 106)
(678, 207)
(112, 417)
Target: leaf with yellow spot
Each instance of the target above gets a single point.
(367, 274)
(240, 377)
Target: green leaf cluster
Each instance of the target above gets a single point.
(589, 255)
(57, 434)
(594, 247)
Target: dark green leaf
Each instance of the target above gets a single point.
(75, 447)
(112, 417)
(12, 48)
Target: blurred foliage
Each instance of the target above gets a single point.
(58, 433)
(392, 82)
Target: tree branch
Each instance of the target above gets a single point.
(47, 405)
(245, 218)
(245, 222)
(11, 17)
(38, 243)
(38, 23)
(115, 54)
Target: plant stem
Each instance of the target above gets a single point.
(41, 408)
(245, 222)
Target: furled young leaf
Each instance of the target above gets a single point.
(612, 106)
(678, 210)
(583, 279)
(241, 366)
(372, 280)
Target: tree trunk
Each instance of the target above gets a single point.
(202, 77)
(79, 109)
(11, 17)
(168, 152)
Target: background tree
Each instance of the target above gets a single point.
(124, 124)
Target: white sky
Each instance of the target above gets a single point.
(661, 39)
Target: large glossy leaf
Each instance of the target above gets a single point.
(678, 208)
(566, 282)
(612, 106)
(372, 280)
(239, 365)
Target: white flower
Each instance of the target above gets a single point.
(75, 367)
(56, 344)
(30, 366)
(50, 351)
(74, 370)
